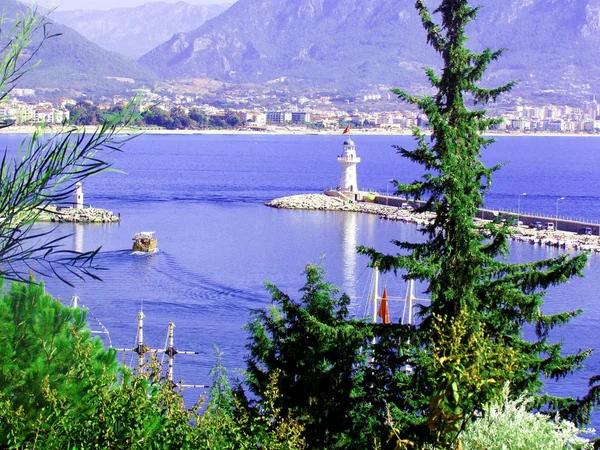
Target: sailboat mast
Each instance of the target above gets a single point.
(140, 350)
(170, 352)
(375, 293)
(410, 298)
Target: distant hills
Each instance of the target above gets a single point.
(135, 31)
(70, 61)
(344, 45)
(350, 44)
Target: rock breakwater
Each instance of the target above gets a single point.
(321, 202)
(324, 203)
(81, 215)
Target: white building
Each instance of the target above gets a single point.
(23, 92)
(348, 162)
(78, 196)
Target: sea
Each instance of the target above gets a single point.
(203, 195)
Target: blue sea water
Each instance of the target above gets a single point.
(203, 195)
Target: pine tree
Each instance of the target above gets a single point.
(38, 339)
(480, 303)
(319, 356)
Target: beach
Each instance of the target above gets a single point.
(30, 129)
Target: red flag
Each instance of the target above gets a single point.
(383, 310)
(346, 130)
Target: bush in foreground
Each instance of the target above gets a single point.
(507, 424)
(60, 389)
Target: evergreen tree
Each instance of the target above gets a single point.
(38, 337)
(480, 303)
(319, 355)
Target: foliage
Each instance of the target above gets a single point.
(319, 358)
(73, 62)
(179, 119)
(229, 423)
(507, 423)
(480, 303)
(60, 389)
(40, 342)
(85, 113)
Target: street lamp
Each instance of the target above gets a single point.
(556, 217)
(519, 207)
(387, 192)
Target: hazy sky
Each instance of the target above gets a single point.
(108, 4)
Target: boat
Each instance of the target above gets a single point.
(144, 241)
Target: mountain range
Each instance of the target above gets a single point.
(70, 61)
(350, 44)
(135, 31)
(553, 46)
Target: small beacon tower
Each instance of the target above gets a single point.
(348, 161)
(78, 196)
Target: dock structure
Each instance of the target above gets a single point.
(570, 226)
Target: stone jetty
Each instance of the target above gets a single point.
(321, 202)
(324, 203)
(78, 215)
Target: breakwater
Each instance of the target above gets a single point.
(77, 215)
(562, 224)
(321, 202)
(398, 210)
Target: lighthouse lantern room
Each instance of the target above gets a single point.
(348, 162)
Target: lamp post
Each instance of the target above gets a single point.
(556, 216)
(519, 208)
(387, 192)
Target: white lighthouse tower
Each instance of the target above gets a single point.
(348, 161)
(78, 196)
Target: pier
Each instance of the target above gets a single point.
(561, 224)
(399, 209)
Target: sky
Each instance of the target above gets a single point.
(64, 5)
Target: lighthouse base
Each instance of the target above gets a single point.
(356, 196)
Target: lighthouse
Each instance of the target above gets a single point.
(78, 196)
(348, 162)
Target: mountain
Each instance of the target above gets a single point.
(359, 43)
(135, 31)
(70, 61)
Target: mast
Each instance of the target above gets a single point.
(410, 298)
(140, 350)
(171, 352)
(375, 292)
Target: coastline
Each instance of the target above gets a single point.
(30, 129)
(322, 202)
